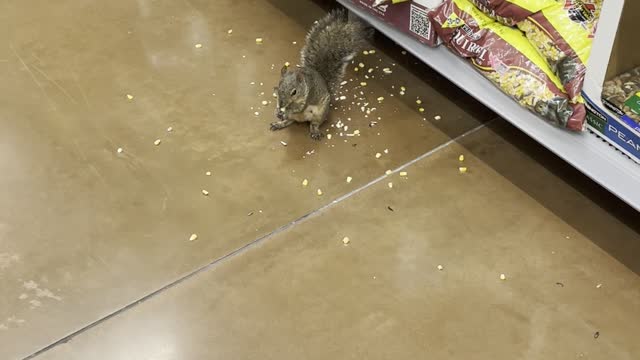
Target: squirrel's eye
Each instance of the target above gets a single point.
(294, 92)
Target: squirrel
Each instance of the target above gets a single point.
(304, 93)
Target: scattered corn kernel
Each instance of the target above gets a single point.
(193, 237)
(421, 109)
(129, 96)
(462, 169)
(343, 83)
(329, 136)
(401, 92)
(418, 101)
(598, 286)
(205, 192)
(264, 102)
(403, 173)
(356, 132)
(363, 84)
(157, 142)
(208, 173)
(229, 31)
(283, 143)
(381, 98)
(169, 129)
(388, 172)
(120, 150)
(378, 155)
(440, 267)
(319, 192)
(503, 277)
(365, 52)
(390, 185)
(355, 69)
(372, 51)
(387, 71)
(370, 70)
(361, 65)
(403, 88)
(349, 178)
(258, 41)
(461, 158)
(343, 97)
(198, 46)
(305, 182)
(345, 240)
(287, 64)
(437, 117)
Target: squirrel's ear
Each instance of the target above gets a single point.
(284, 70)
(299, 76)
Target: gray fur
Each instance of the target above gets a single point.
(304, 93)
(331, 44)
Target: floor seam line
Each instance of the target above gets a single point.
(252, 243)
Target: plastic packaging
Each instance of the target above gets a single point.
(623, 93)
(505, 56)
(381, 2)
(561, 31)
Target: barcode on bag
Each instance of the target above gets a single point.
(419, 23)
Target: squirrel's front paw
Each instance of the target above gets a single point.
(316, 135)
(276, 126)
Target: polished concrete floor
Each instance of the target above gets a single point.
(96, 260)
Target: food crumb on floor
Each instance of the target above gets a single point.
(193, 237)
(198, 46)
(283, 143)
(157, 142)
(390, 185)
(129, 96)
(378, 155)
(403, 173)
(305, 182)
(169, 129)
(437, 117)
(229, 31)
(346, 240)
(120, 150)
(440, 267)
(319, 192)
(598, 286)
(503, 277)
(349, 178)
(462, 169)
(461, 158)
(205, 192)
(208, 173)
(258, 41)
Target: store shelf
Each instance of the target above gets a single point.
(586, 152)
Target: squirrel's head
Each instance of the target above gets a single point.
(292, 92)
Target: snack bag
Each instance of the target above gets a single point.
(380, 2)
(623, 94)
(504, 56)
(563, 35)
(511, 12)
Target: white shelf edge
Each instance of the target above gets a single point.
(585, 152)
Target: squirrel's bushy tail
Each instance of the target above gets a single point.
(332, 43)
